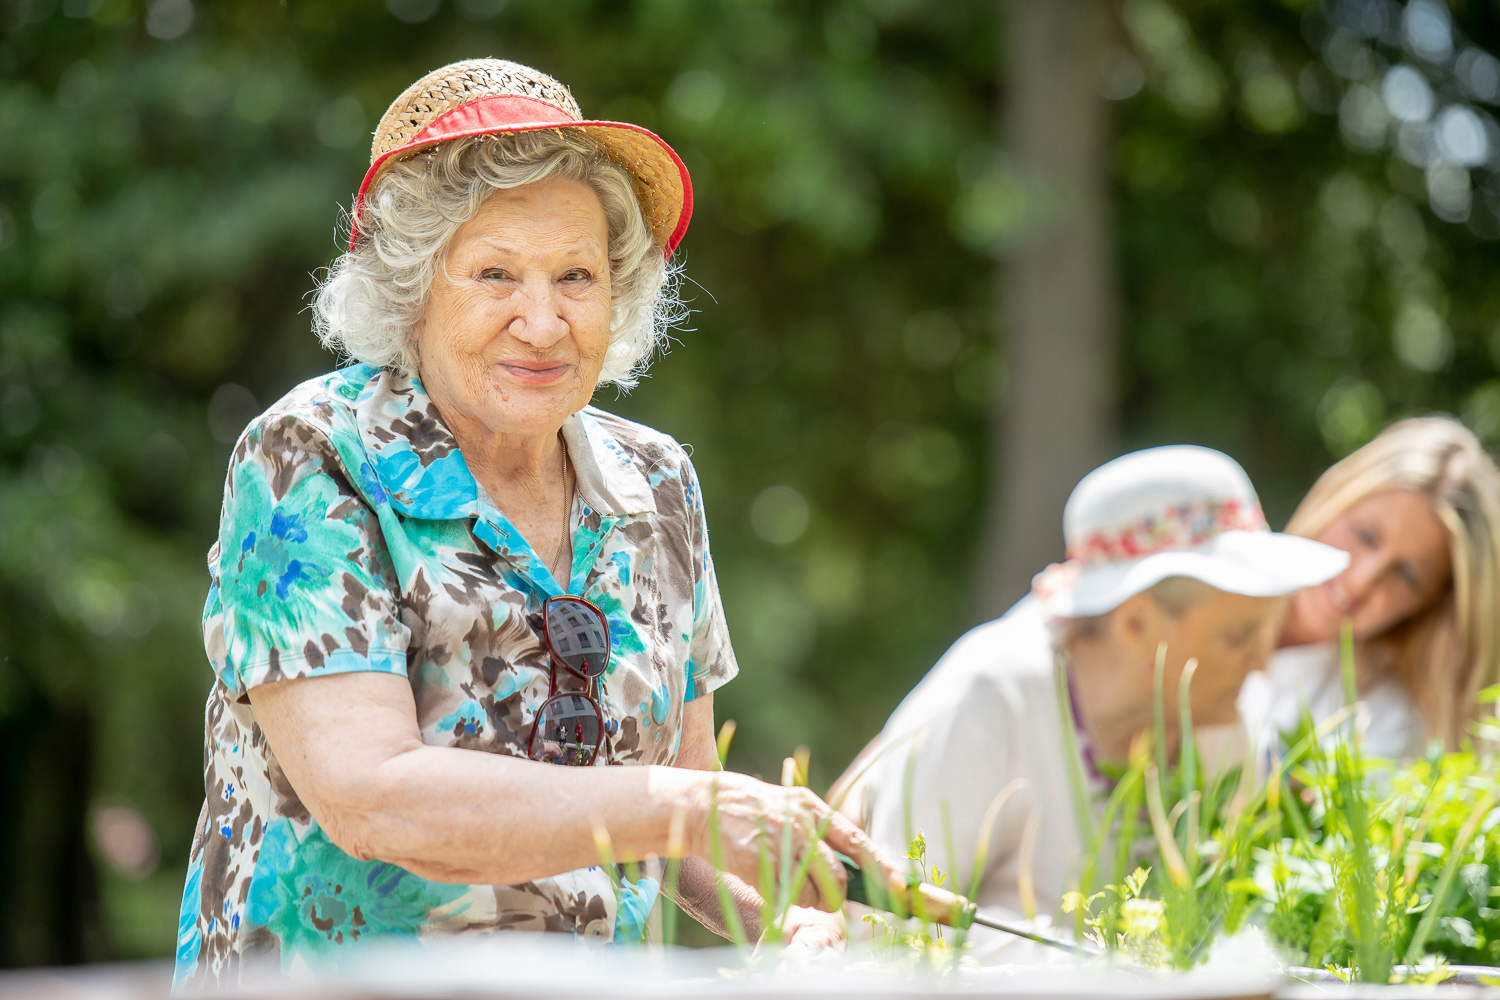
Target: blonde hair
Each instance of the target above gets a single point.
(1447, 652)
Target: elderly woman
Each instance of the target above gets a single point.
(441, 574)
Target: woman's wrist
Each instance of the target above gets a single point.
(682, 797)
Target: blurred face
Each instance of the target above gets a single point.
(517, 323)
(1229, 635)
(1399, 564)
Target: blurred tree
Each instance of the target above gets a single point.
(172, 172)
(1058, 295)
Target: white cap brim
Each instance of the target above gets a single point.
(1252, 563)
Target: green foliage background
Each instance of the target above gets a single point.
(164, 202)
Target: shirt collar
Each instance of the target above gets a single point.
(415, 463)
(610, 478)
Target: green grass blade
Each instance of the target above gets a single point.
(908, 780)
(721, 743)
(1187, 765)
(1346, 663)
(952, 855)
(1374, 957)
(986, 832)
(730, 913)
(1083, 815)
(1088, 879)
(1187, 753)
(786, 894)
(1130, 821)
(1165, 842)
(766, 884)
(669, 879)
(1445, 881)
(1159, 714)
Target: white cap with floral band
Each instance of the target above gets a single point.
(1174, 511)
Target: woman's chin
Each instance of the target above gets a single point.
(536, 407)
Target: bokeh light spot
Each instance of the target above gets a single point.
(413, 11)
(696, 95)
(1420, 337)
(1349, 414)
(229, 409)
(780, 515)
(126, 841)
(168, 19)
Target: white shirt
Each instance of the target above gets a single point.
(1311, 676)
(985, 715)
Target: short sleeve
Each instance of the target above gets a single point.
(711, 663)
(302, 582)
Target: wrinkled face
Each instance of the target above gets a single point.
(1229, 635)
(1400, 561)
(517, 323)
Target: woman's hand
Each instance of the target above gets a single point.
(752, 813)
(812, 934)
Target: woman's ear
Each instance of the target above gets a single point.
(1139, 625)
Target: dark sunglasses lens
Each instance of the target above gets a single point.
(579, 636)
(567, 731)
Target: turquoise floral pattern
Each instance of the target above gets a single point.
(316, 899)
(354, 538)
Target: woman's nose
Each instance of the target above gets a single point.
(1361, 576)
(538, 320)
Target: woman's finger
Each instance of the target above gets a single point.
(849, 840)
(846, 838)
(813, 936)
(823, 888)
(829, 876)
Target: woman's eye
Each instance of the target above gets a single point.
(577, 274)
(493, 274)
(1366, 535)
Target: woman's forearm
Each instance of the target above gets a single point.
(698, 895)
(469, 816)
(455, 815)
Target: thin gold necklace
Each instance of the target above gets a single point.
(562, 560)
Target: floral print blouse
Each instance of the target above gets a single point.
(354, 537)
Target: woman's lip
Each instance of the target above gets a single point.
(536, 372)
(1331, 596)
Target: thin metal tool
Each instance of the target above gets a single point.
(951, 909)
(1000, 925)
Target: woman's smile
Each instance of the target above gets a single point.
(1335, 597)
(535, 372)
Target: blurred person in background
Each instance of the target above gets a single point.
(440, 573)
(1418, 511)
(1004, 742)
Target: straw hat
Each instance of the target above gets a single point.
(1174, 511)
(489, 96)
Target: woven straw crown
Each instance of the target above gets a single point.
(457, 84)
(494, 96)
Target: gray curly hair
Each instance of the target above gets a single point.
(369, 304)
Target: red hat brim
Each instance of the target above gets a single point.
(500, 113)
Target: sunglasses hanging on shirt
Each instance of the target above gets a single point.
(569, 727)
